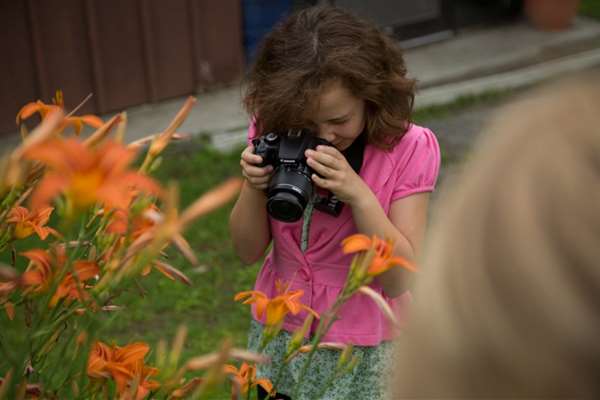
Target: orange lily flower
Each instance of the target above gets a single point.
(26, 222)
(245, 378)
(35, 107)
(100, 356)
(44, 109)
(278, 307)
(125, 365)
(43, 268)
(9, 281)
(141, 374)
(171, 224)
(142, 224)
(38, 275)
(383, 258)
(70, 288)
(87, 175)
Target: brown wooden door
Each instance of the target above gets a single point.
(125, 52)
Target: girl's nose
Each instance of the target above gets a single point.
(326, 132)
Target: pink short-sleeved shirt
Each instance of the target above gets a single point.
(411, 167)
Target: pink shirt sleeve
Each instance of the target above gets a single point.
(418, 163)
(252, 133)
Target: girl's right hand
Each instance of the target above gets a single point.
(257, 177)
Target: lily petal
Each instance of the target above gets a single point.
(355, 243)
(381, 303)
(50, 187)
(27, 111)
(172, 273)
(402, 262)
(92, 120)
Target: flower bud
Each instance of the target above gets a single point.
(299, 335)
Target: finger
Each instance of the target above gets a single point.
(323, 158)
(251, 170)
(249, 156)
(320, 169)
(332, 151)
(261, 182)
(320, 182)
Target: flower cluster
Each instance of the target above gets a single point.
(80, 224)
(374, 256)
(125, 365)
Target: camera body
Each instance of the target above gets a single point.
(290, 188)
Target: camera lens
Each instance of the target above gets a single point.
(289, 191)
(285, 207)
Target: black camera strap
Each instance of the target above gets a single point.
(355, 153)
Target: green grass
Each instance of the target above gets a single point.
(590, 8)
(207, 307)
(423, 114)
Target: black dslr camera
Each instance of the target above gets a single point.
(291, 188)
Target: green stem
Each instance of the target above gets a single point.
(322, 329)
(8, 201)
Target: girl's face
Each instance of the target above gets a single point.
(338, 116)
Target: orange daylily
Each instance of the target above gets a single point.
(35, 107)
(383, 258)
(9, 281)
(40, 272)
(141, 224)
(141, 374)
(26, 222)
(43, 268)
(125, 365)
(44, 109)
(100, 356)
(245, 378)
(71, 287)
(171, 224)
(278, 307)
(87, 175)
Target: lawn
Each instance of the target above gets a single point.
(590, 8)
(158, 306)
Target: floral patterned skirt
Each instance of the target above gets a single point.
(368, 380)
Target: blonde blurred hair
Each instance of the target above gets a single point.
(508, 300)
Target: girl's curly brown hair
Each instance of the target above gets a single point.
(321, 44)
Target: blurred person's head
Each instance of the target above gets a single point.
(325, 53)
(508, 300)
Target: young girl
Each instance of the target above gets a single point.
(328, 71)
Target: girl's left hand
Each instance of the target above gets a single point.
(336, 175)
